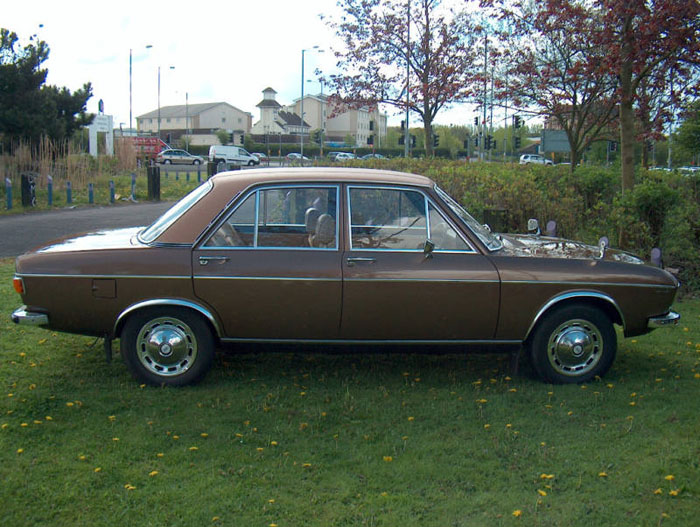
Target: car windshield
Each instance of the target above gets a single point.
(485, 235)
(149, 234)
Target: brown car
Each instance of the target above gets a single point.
(337, 255)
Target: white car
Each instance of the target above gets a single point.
(224, 156)
(535, 159)
(344, 156)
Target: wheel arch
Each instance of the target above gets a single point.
(208, 316)
(591, 298)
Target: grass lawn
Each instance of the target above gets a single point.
(297, 438)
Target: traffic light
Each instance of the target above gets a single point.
(436, 140)
(476, 141)
(466, 144)
(413, 141)
(168, 138)
(230, 137)
(370, 140)
(517, 121)
(488, 143)
(242, 138)
(402, 140)
(403, 125)
(612, 146)
(476, 121)
(516, 142)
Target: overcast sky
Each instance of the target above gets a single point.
(220, 50)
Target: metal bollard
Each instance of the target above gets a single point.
(69, 193)
(49, 188)
(8, 192)
(111, 191)
(177, 176)
(187, 177)
(199, 174)
(133, 187)
(91, 193)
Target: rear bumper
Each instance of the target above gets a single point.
(29, 318)
(669, 319)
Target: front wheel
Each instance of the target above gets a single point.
(167, 162)
(573, 344)
(167, 346)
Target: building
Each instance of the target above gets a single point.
(275, 120)
(359, 127)
(199, 122)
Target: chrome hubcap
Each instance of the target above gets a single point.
(575, 347)
(166, 346)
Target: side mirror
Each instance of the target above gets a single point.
(533, 226)
(428, 248)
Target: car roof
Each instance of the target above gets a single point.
(227, 185)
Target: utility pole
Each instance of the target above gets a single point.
(408, 76)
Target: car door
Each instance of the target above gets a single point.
(394, 290)
(271, 268)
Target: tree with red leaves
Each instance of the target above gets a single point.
(592, 64)
(441, 56)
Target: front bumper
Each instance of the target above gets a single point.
(669, 319)
(29, 318)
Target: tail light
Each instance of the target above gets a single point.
(18, 284)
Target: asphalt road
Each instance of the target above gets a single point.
(22, 232)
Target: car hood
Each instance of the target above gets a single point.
(549, 247)
(103, 239)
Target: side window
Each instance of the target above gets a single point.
(287, 217)
(442, 234)
(387, 219)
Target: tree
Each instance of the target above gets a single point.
(554, 70)
(28, 108)
(688, 135)
(440, 56)
(647, 43)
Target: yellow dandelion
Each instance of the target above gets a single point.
(411, 418)
(508, 425)
(37, 422)
(32, 386)
(513, 390)
(658, 491)
(306, 465)
(160, 454)
(482, 401)
(112, 417)
(271, 501)
(193, 448)
(69, 404)
(4, 425)
(670, 477)
(487, 426)
(517, 513)
(260, 449)
(215, 519)
(176, 437)
(602, 474)
(541, 492)
(204, 435)
(388, 459)
(115, 439)
(82, 457)
(24, 425)
(153, 473)
(546, 476)
(673, 492)
(303, 426)
(20, 450)
(384, 494)
(273, 443)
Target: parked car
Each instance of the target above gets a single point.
(178, 157)
(535, 159)
(372, 156)
(260, 156)
(226, 156)
(337, 255)
(296, 156)
(333, 155)
(344, 156)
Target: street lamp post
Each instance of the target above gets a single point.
(302, 96)
(131, 112)
(172, 68)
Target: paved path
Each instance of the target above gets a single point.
(22, 232)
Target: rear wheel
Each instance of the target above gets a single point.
(167, 346)
(573, 344)
(221, 165)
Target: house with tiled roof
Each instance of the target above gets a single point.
(198, 121)
(274, 119)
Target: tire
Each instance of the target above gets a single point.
(220, 166)
(573, 344)
(167, 162)
(196, 162)
(251, 163)
(167, 346)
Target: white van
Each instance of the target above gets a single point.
(224, 156)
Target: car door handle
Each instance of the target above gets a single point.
(352, 260)
(204, 260)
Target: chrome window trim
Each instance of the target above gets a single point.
(427, 201)
(449, 280)
(200, 244)
(587, 284)
(165, 302)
